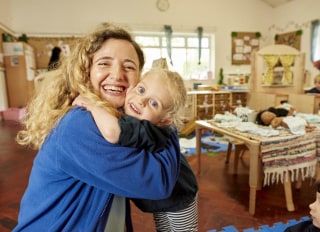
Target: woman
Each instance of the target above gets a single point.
(79, 181)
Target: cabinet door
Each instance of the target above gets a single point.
(221, 102)
(3, 91)
(204, 105)
(238, 98)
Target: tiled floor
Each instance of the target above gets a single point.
(223, 197)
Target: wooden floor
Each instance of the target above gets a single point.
(223, 197)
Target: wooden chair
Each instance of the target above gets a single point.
(239, 149)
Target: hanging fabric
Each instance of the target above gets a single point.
(271, 61)
(287, 61)
(315, 35)
(168, 33)
(200, 31)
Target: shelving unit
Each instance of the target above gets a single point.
(205, 104)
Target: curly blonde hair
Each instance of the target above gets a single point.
(177, 91)
(60, 87)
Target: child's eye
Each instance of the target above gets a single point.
(141, 90)
(153, 103)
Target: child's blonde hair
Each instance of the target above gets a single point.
(177, 90)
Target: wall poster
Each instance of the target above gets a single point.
(292, 39)
(243, 43)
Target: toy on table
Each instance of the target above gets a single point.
(283, 116)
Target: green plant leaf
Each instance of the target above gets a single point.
(234, 34)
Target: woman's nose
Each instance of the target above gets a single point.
(116, 73)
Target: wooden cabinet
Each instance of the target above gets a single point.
(20, 69)
(221, 102)
(205, 104)
(239, 98)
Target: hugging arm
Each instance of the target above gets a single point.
(125, 171)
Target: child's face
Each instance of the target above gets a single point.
(149, 100)
(315, 211)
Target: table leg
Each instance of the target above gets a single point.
(255, 175)
(288, 193)
(252, 200)
(198, 147)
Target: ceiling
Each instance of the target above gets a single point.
(276, 3)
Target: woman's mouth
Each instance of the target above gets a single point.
(112, 88)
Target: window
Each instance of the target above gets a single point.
(185, 53)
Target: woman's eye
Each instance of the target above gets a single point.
(129, 68)
(104, 63)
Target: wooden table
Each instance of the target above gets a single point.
(255, 167)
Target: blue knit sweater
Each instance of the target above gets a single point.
(76, 173)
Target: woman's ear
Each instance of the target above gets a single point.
(165, 122)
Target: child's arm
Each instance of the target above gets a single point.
(106, 122)
(126, 131)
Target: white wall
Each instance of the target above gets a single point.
(44, 17)
(6, 14)
(295, 16)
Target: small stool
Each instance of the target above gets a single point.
(239, 149)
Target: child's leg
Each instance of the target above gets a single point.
(182, 220)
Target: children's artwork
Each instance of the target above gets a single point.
(243, 43)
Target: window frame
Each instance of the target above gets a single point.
(207, 44)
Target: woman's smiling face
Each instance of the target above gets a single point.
(115, 68)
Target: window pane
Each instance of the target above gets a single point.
(151, 54)
(184, 54)
(148, 41)
(194, 42)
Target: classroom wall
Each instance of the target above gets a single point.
(75, 17)
(295, 16)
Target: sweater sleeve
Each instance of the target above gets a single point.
(142, 133)
(83, 153)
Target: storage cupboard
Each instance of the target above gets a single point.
(19, 61)
(205, 104)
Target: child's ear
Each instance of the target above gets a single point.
(165, 122)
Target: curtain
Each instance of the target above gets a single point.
(315, 40)
(271, 62)
(200, 31)
(168, 33)
(287, 61)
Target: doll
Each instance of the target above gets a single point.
(273, 116)
(276, 117)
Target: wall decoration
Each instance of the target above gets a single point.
(243, 43)
(44, 46)
(292, 39)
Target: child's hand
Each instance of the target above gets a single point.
(82, 101)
